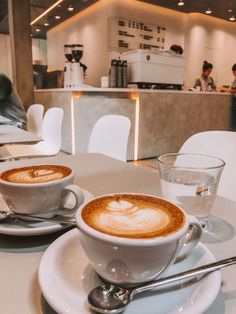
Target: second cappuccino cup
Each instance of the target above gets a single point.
(40, 189)
(130, 239)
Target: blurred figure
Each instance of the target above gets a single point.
(177, 49)
(227, 88)
(205, 82)
(11, 106)
(232, 90)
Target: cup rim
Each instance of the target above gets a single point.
(191, 154)
(112, 239)
(35, 185)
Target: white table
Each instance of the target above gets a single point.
(10, 134)
(20, 256)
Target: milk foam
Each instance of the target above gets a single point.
(36, 174)
(128, 218)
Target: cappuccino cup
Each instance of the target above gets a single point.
(131, 239)
(40, 189)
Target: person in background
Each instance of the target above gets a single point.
(232, 89)
(205, 81)
(177, 49)
(11, 106)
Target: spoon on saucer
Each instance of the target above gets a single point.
(108, 298)
(4, 215)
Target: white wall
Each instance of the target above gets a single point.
(39, 52)
(90, 29)
(203, 38)
(213, 40)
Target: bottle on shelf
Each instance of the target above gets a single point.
(119, 74)
(124, 73)
(113, 74)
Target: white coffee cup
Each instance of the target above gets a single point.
(134, 258)
(34, 190)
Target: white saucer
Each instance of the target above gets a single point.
(66, 277)
(30, 228)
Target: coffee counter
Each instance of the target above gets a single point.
(161, 120)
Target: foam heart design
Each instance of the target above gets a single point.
(124, 217)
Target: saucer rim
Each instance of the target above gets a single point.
(215, 277)
(46, 227)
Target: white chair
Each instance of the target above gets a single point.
(35, 119)
(110, 136)
(51, 135)
(220, 144)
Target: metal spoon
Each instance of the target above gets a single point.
(4, 215)
(108, 298)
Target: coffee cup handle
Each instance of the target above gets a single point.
(192, 237)
(79, 198)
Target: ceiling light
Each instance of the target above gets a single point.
(230, 10)
(70, 8)
(180, 3)
(38, 30)
(46, 24)
(208, 11)
(57, 17)
(46, 11)
(232, 18)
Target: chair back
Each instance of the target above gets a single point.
(220, 144)
(110, 136)
(35, 119)
(52, 130)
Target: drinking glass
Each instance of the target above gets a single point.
(191, 182)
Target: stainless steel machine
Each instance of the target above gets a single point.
(155, 69)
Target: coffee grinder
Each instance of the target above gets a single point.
(68, 66)
(77, 70)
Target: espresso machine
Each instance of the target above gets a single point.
(74, 71)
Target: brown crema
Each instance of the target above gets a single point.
(133, 216)
(35, 174)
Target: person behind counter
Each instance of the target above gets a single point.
(232, 90)
(11, 106)
(205, 82)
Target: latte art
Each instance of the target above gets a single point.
(133, 216)
(35, 174)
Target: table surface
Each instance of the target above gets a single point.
(20, 256)
(10, 134)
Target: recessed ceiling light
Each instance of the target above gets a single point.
(70, 8)
(208, 11)
(38, 30)
(180, 3)
(232, 18)
(230, 10)
(46, 11)
(57, 17)
(46, 24)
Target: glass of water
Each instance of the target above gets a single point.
(191, 182)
